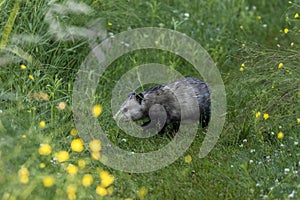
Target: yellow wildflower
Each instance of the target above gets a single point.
(42, 124)
(243, 45)
(296, 16)
(24, 179)
(259, 17)
(129, 199)
(188, 159)
(298, 120)
(62, 105)
(23, 171)
(71, 191)
(106, 179)
(280, 65)
(87, 180)
(62, 156)
(95, 155)
(24, 136)
(266, 116)
(42, 165)
(109, 23)
(81, 163)
(101, 191)
(23, 175)
(280, 135)
(71, 188)
(72, 169)
(48, 181)
(95, 145)
(142, 193)
(45, 149)
(243, 65)
(241, 69)
(97, 110)
(286, 30)
(31, 77)
(257, 115)
(77, 145)
(73, 132)
(23, 67)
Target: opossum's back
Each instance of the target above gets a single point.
(185, 98)
(192, 93)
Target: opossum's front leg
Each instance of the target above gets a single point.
(158, 118)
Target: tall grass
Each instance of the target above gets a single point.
(259, 63)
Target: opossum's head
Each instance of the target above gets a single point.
(132, 108)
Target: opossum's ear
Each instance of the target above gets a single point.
(139, 97)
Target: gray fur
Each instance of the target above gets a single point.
(175, 98)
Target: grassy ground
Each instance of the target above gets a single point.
(256, 48)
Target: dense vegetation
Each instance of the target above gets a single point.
(256, 47)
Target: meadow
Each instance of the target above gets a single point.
(255, 46)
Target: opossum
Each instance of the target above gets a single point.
(184, 100)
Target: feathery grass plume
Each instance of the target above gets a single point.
(9, 24)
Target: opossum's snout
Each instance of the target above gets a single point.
(119, 116)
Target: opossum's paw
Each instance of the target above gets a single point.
(158, 118)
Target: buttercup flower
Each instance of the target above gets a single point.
(106, 179)
(23, 171)
(87, 180)
(42, 124)
(45, 149)
(101, 191)
(77, 145)
(23, 67)
(296, 16)
(62, 156)
(71, 191)
(42, 165)
(48, 181)
(188, 158)
(31, 77)
(280, 135)
(280, 65)
(72, 169)
(257, 115)
(95, 155)
(241, 69)
(97, 110)
(23, 175)
(73, 132)
(142, 193)
(81, 163)
(298, 120)
(95, 145)
(266, 116)
(286, 30)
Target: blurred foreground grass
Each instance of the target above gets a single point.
(256, 48)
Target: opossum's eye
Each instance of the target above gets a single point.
(125, 109)
(140, 97)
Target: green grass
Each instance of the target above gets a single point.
(248, 162)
